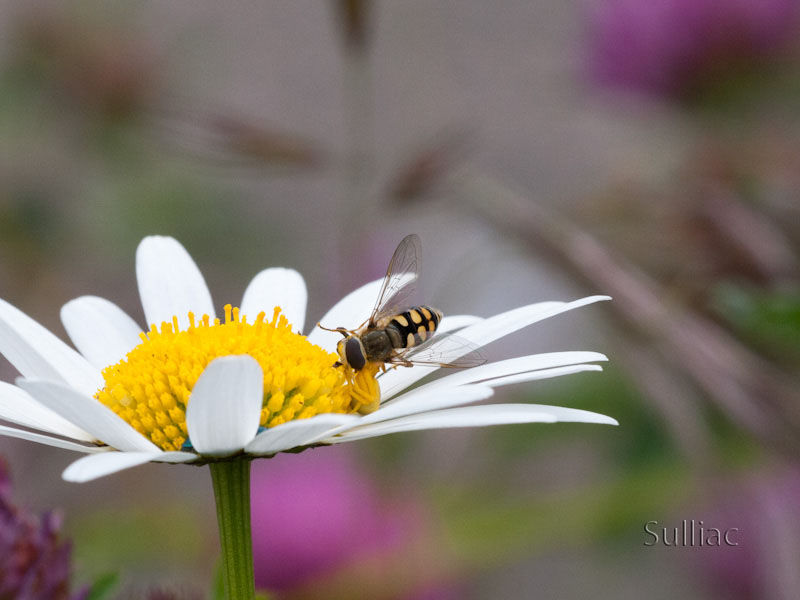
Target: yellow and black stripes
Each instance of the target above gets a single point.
(415, 325)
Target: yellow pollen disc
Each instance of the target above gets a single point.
(150, 387)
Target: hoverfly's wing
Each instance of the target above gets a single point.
(443, 350)
(400, 282)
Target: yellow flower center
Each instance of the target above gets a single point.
(150, 388)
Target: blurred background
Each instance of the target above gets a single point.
(543, 150)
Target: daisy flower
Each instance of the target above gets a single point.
(198, 389)
(256, 387)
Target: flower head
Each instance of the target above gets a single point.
(151, 386)
(194, 388)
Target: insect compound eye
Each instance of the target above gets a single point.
(354, 353)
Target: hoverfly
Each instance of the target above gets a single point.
(397, 333)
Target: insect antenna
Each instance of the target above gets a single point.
(341, 330)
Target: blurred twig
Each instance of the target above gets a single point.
(222, 139)
(353, 19)
(754, 393)
(429, 164)
(747, 235)
(355, 203)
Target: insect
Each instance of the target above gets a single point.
(398, 334)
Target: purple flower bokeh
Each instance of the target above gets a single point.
(317, 515)
(34, 560)
(762, 513)
(667, 47)
(316, 512)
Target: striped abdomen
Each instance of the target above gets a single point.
(411, 327)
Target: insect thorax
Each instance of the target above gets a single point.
(379, 344)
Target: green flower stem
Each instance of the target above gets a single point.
(232, 494)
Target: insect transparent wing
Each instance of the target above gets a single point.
(400, 282)
(443, 350)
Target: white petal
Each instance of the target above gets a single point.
(277, 287)
(510, 321)
(17, 406)
(482, 334)
(349, 312)
(225, 405)
(453, 322)
(512, 366)
(463, 416)
(426, 398)
(298, 433)
(35, 352)
(540, 374)
(476, 416)
(170, 284)
(88, 414)
(425, 401)
(100, 329)
(574, 415)
(49, 441)
(176, 457)
(430, 397)
(99, 465)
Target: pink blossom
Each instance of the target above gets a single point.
(666, 47)
(316, 512)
